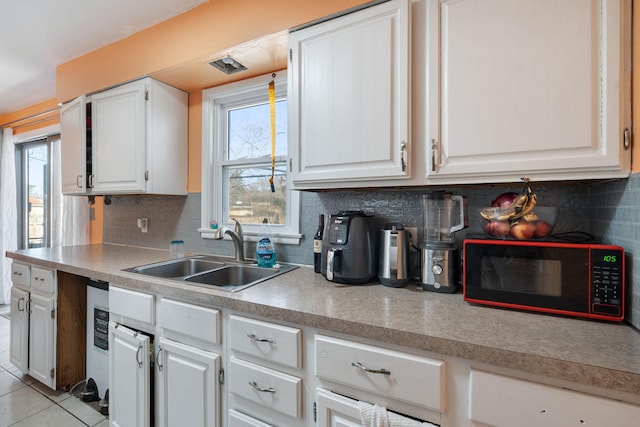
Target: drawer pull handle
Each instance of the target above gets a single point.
(17, 273)
(253, 337)
(260, 389)
(371, 371)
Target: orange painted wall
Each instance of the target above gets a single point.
(198, 33)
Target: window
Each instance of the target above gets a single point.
(237, 159)
(33, 160)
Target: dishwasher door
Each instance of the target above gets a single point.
(98, 334)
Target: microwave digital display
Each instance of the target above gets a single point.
(583, 280)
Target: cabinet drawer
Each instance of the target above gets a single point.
(238, 419)
(503, 401)
(268, 341)
(397, 375)
(20, 274)
(181, 320)
(267, 387)
(43, 279)
(132, 304)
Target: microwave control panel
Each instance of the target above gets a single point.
(607, 282)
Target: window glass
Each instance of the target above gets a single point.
(237, 163)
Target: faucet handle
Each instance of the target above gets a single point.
(238, 229)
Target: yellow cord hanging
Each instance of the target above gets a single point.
(272, 110)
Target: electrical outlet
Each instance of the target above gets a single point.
(414, 235)
(142, 224)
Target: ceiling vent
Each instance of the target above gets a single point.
(228, 65)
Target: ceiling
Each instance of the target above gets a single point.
(38, 35)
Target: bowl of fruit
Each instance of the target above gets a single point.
(517, 216)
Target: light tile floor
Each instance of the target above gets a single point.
(25, 402)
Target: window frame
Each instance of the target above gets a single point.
(44, 136)
(214, 127)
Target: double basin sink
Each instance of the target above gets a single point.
(216, 272)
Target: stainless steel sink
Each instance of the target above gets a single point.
(177, 267)
(217, 272)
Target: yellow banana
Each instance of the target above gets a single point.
(521, 206)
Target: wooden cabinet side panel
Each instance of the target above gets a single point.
(71, 351)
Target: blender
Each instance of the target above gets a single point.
(444, 214)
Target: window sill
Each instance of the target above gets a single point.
(280, 238)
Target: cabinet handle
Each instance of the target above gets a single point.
(253, 337)
(17, 273)
(79, 181)
(403, 151)
(435, 156)
(159, 359)
(28, 306)
(91, 181)
(138, 356)
(371, 371)
(21, 301)
(260, 389)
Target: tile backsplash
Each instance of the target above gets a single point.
(608, 210)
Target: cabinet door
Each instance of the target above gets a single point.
(129, 377)
(19, 343)
(188, 385)
(335, 410)
(118, 135)
(73, 146)
(42, 339)
(349, 97)
(534, 88)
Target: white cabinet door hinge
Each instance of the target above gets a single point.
(53, 313)
(146, 175)
(221, 376)
(52, 373)
(146, 95)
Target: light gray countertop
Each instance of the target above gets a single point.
(576, 350)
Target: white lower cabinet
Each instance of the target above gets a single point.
(501, 401)
(129, 377)
(404, 383)
(33, 322)
(264, 373)
(165, 373)
(188, 389)
(19, 343)
(42, 336)
(337, 410)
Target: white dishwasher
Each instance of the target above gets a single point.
(98, 334)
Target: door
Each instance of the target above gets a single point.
(349, 97)
(42, 339)
(189, 392)
(118, 132)
(73, 130)
(129, 377)
(335, 410)
(19, 343)
(534, 88)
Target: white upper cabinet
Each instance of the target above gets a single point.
(133, 142)
(349, 98)
(537, 88)
(73, 120)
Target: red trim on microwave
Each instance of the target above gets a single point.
(618, 316)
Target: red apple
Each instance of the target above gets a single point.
(543, 229)
(499, 228)
(504, 200)
(523, 230)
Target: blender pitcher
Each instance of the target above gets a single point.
(444, 214)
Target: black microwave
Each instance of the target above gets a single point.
(574, 279)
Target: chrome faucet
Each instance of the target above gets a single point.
(236, 235)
